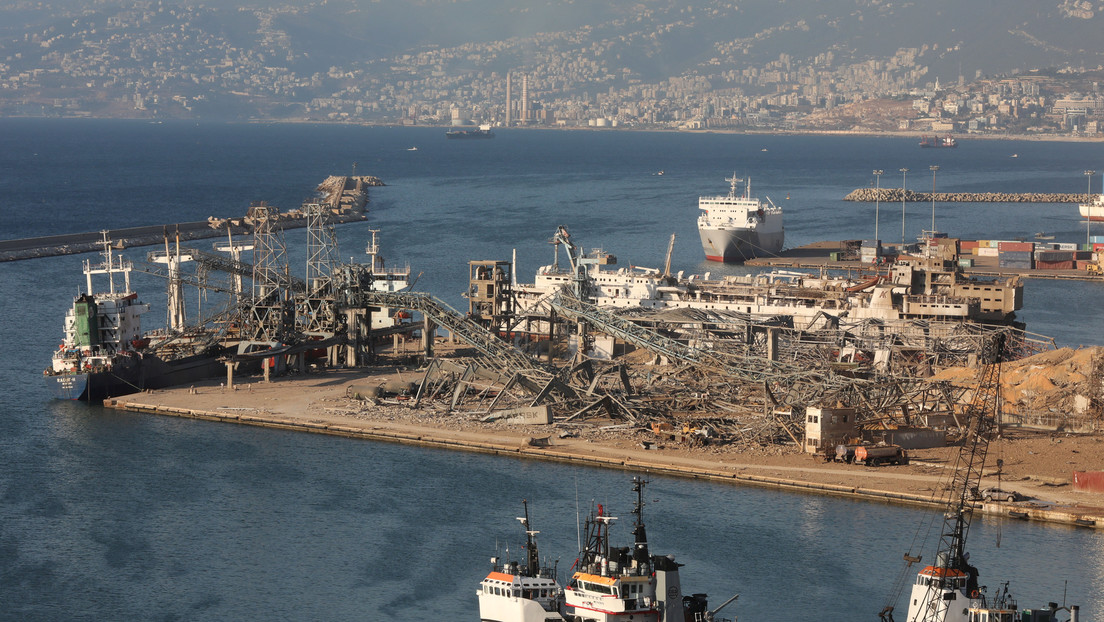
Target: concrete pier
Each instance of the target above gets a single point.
(294, 405)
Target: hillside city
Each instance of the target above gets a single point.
(158, 62)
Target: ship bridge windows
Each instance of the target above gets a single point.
(597, 588)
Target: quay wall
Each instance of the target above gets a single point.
(869, 195)
(562, 454)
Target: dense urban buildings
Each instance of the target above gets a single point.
(156, 61)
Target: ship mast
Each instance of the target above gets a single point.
(640, 547)
(532, 556)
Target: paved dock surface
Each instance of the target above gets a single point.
(317, 403)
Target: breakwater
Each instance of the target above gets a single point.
(347, 198)
(76, 243)
(894, 194)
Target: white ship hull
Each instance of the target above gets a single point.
(736, 245)
(1093, 211)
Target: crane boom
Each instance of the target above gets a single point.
(980, 422)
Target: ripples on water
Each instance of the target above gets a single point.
(108, 515)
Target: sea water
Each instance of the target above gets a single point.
(108, 515)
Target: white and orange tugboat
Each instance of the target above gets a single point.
(609, 584)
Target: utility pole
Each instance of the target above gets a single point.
(877, 198)
(904, 172)
(1088, 244)
(933, 169)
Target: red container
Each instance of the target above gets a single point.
(1054, 265)
(1016, 246)
(1092, 481)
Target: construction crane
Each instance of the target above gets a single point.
(952, 573)
(948, 590)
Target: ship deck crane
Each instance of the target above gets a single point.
(938, 588)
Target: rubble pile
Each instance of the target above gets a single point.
(1063, 382)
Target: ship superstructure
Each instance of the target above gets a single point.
(737, 227)
(102, 333)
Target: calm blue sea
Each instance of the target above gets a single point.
(107, 515)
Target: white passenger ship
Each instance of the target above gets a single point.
(734, 228)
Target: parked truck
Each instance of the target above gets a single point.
(884, 454)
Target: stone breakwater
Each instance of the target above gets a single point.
(894, 194)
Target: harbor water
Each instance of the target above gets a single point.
(108, 515)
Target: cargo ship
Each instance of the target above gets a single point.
(1093, 211)
(938, 142)
(105, 354)
(484, 131)
(734, 228)
(609, 584)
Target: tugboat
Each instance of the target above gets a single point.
(948, 590)
(610, 584)
(514, 592)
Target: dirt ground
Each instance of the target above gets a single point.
(1037, 465)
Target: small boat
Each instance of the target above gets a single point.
(412, 149)
(1042, 236)
(1014, 155)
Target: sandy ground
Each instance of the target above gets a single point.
(1036, 465)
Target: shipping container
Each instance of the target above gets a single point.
(967, 245)
(1054, 265)
(1054, 256)
(1069, 246)
(986, 251)
(966, 262)
(1017, 246)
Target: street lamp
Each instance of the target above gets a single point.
(877, 196)
(1089, 209)
(933, 169)
(904, 172)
